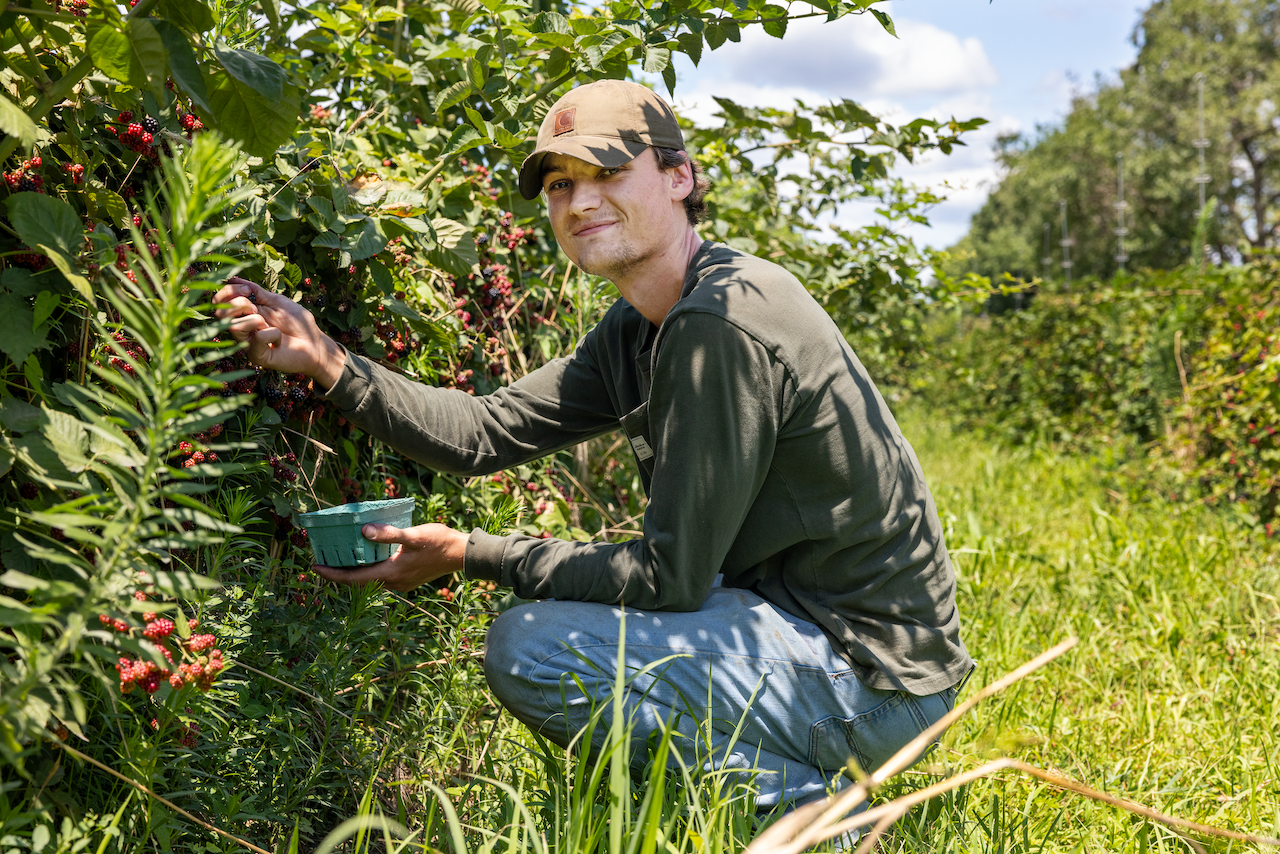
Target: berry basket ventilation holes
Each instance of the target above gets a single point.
(335, 532)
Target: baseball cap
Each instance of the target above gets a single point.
(608, 123)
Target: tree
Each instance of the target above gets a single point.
(1150, 116)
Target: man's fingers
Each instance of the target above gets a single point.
(380, 533)
(357, 575)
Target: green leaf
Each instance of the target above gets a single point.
(656, 59)
(715, 36)
(691, 45)
(183, 65)
(191, 15)
(452, 96)
(47, 303)
(19, 416)
(777, 27)
(253, 70)
(455, 250)
(463, 138)
(41, 219)
(551, 22)
(68, 270)
(107, 204)
(6, 455)
(366, 242)
(557, 63)
(15, 122)
(18, 339)
(885, 21)
(132, 53)
(327, 240)
(243, 114)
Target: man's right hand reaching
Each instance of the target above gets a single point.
(281, 334)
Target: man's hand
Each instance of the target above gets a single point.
(427, 552)
(282, 335)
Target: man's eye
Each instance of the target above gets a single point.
(557, 185)
(606, 173)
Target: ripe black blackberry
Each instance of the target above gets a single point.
(27, 185)
(150, 125)
(274, 394)
(297, 394)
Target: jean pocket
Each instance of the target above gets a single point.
(870, 738)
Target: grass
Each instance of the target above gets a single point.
(1170, 700)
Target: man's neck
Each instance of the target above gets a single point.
(655, 289)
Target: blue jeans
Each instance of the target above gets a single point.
(802, 709)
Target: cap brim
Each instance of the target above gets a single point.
(599, 150)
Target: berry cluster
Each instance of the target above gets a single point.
(190, 124)
(320, 114)
(26, 179)
(204, 662)
(76, 171)
(132, 349)
(287, 394)
(138, 137)
(77, 8)
(282, 471)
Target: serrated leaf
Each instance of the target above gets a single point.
(656, 59)
(191, 15)
(691, 46)
(67, 437)
(39, 218)
(557, 63)
(108, 204)
(243, 114)
(452, 95)
(463, 138)
(774, 20)
(183, 66)
(327, 240)
(551, 22)
(18, 339)
(455, 250)
(15, 122)
(130, 52)
(885, 21)
(715, 36)
(64, 265)
(364, 243)
(253, 70)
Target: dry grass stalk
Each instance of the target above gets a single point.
(824, 820)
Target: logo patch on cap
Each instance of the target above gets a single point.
(564, 121)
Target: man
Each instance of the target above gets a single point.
(792, 555)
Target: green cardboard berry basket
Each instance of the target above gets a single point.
(335, 532)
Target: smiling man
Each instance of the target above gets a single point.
(792, 557)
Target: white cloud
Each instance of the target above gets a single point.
(854, 58)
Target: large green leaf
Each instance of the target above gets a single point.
(18, 338)
(455, 250)
(183, 66)
(131, 52)
(41, 219)
(243, 114)
(365, 242)
(15, 122)
(191, 15)
(19, 416)
(68, 438)
(253, 70)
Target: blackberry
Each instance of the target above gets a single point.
(27, 185)
(150, 125)
(274, 394)
(297, 394)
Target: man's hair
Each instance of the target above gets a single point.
(695, 204)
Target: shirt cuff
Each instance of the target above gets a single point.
(352, 386)
(483, 558)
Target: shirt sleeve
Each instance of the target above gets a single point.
(714, 414)
(560, 404)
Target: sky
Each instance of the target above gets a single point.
(1015, 63)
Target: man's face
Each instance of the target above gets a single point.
(610, 222)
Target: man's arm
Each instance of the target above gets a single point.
(714, 411)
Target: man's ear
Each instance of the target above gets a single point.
(681, 181)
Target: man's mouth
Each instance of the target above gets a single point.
(593, 228)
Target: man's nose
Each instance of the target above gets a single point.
(586, 197)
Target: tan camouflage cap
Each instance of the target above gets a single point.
(608, 123)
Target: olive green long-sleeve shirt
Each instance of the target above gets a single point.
(767, 452)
